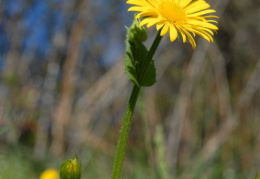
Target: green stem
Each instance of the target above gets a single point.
(122, 141)
(126, 125)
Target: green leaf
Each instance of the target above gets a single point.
(150, 75)
(130, 69)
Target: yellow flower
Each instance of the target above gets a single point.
(50, 174)
(184, 17)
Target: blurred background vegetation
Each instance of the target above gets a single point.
(63, 91)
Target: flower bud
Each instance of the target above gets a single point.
(70, 169)
(137, 33)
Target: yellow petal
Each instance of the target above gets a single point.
(191, 39)
(153, 21)
(173, 33)
(184, 3)
(159, 26)
(165, 29)
(143, 22)
(198, 8)
(182, 35)
(137, 8)
(146, 14)
(201, 13)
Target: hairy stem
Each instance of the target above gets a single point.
(126, 125)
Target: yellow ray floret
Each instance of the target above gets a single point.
(184, 18)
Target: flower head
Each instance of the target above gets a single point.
(178, 17)
(50, 174)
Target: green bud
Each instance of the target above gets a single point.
(137, 33)
(70, 169)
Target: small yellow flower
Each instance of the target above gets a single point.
(50, 174)
(184, 17)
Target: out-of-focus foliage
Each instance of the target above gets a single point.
(63, 91)
(16, 165)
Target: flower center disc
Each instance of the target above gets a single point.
(172, 11)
